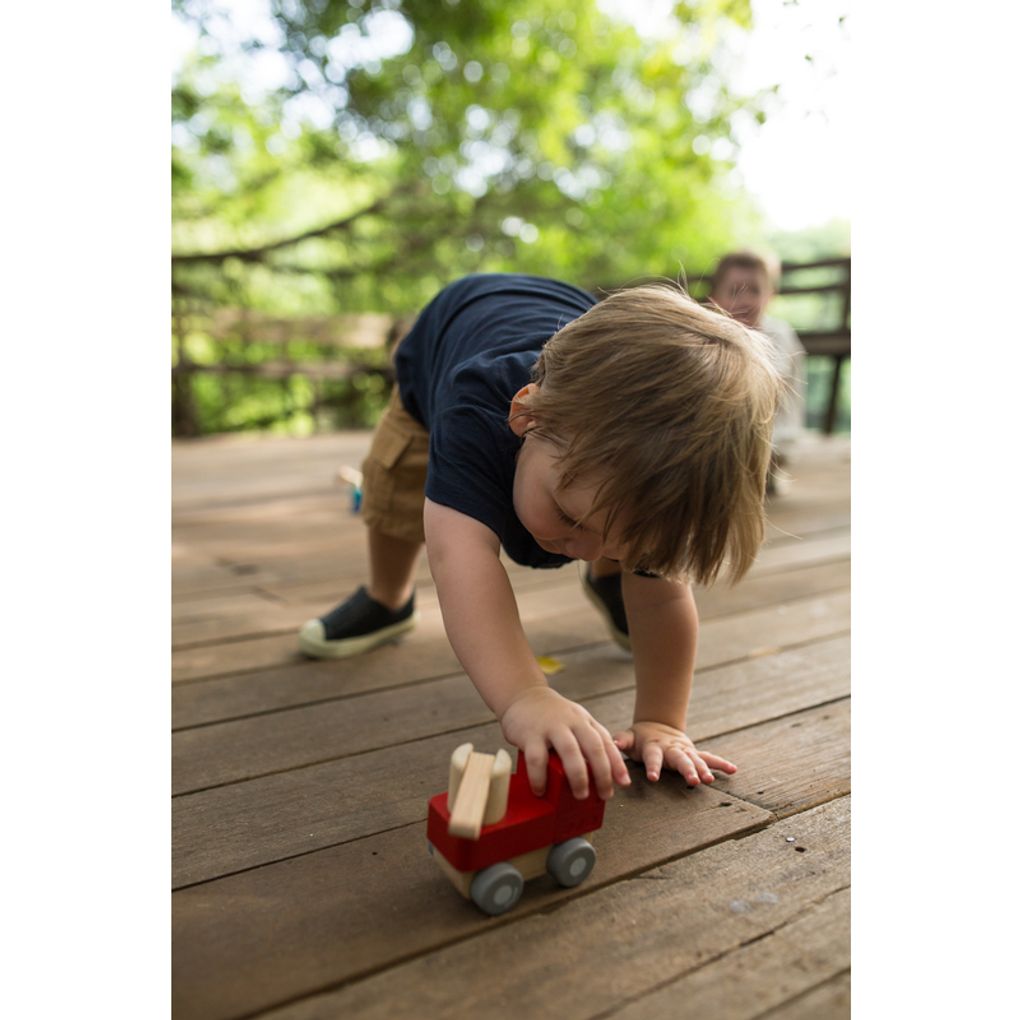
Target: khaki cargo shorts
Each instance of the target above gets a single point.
(393, 474)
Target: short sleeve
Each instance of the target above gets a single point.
(471, 465)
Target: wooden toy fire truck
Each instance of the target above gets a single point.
(489, 833)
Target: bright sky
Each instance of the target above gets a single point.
(797, 164)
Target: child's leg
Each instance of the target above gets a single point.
(601, 583)
(391, 562)
(393, 500)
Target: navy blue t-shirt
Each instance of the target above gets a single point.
(471, 350)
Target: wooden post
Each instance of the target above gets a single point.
(183, 418)
(837, 361)
(830, 412)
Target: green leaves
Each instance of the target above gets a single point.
(356, 156)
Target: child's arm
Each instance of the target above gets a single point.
(484, 627)
(663, 623)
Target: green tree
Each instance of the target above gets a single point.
(409, 142)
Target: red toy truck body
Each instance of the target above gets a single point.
(530, 824)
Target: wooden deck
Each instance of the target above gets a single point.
(302, 885)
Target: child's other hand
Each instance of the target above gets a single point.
(656, 744)
(540, 718)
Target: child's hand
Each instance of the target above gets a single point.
(656, 743)
(539, 718)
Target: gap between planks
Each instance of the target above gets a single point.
(534, 615)
(461, 948)
(784, 795)
(245, 748)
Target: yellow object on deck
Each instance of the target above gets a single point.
(548, 665)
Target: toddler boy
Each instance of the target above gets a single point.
(633, 431)
(743, 285)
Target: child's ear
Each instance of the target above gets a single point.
(521, 418)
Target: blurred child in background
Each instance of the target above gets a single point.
(743, 285)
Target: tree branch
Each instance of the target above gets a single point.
(258, 253)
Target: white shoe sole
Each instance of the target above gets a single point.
(312, 640)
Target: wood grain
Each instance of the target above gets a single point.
(654, 928)
(790, 961)
(241, 749)
(426, 652)
(248, 824)
(303, 884)
(793, 763)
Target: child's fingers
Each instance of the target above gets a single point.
(624, 740)
(681, 761)
(704, 772)
(616, 762)
(653, 760)
(715, 762)
(593, 746)
(536, 757)
(574, 764)
(617, 766)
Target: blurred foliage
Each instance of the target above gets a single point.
(399, 144)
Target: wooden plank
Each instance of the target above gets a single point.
(826, 343)
(328, 553)
(805, 517)
(809, 951)
(829, 1001)
(793, 763)
(242, 749)
(770, 588)
(252, 480)
(255, 613)
(252, 823)
(779, 556)
(575, 624)
(606, 948)
(246, 942)
(251, 615)
(227, 470)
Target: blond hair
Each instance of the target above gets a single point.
(671, 403)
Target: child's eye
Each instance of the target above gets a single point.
(565, 518)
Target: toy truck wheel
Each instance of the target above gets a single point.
(570, 863)
(497, 888)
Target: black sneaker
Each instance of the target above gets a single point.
(606, 595)
(355, 626)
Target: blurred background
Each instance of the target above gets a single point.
(335, 162)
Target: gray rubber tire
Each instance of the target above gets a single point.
(571, 862)
(496, 889)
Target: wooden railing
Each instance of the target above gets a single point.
(348, 346)
(834, 340)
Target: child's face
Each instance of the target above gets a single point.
(743, 293)
(553, 517)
